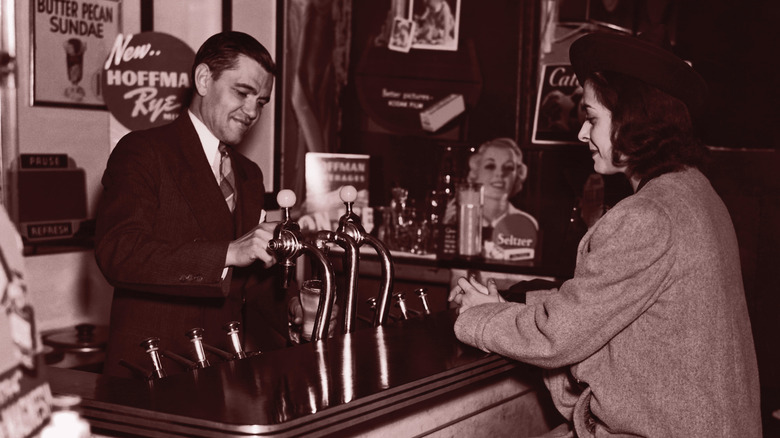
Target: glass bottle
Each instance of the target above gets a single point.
(442, 222)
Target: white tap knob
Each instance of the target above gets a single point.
(286, 198)
(348, 193)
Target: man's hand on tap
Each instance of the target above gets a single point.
(470, 292)
(252, 246)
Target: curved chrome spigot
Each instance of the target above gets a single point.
(351, 252)
(286, 236)
(350, 224)
(288, 245)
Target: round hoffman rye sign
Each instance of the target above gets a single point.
(146, 79)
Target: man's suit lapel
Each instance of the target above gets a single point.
(197, 184)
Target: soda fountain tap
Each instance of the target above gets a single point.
(372, 303)
(423, 294)
(287, 235)
(151, 346)
(196, 337)
(288, 245)
(351, 256)
(372, 306)
(350, 224)
(235, 342)
(401, 301)
(224, 355)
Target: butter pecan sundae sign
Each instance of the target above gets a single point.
(146, 79)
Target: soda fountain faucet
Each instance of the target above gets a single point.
(151, 346)
(286, 236)
(196, 337)
(351, 256)
(288, 245)
(422, 293)
(401, 301)
(232, 331)
(350, 224)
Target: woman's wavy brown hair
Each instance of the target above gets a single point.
(652, 131)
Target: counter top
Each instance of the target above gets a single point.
(308, 389)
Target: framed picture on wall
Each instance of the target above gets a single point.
(70, 42)
(557, 118)
(401, 35)
(437, 23)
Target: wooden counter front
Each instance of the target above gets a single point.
(406, 378)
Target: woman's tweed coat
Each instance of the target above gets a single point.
(651, 337)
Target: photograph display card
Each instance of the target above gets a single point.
(423, 24)
(558, 116)
(437, 23)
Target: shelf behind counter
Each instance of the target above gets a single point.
(406, 378)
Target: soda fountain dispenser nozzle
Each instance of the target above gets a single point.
(288, 244)
(350, 224)
(287, 235)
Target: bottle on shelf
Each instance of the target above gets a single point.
(444, 235)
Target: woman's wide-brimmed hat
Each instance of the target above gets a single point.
(644, 60)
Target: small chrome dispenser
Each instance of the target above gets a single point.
(288, 245)
(350, 224)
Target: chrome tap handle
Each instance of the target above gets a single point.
(196, 337)
(287, 237)
(152, 347)
(401, 302)
(348, 194)
(288, 244)
(423, 294)
(350, 224)
(351, 254)
(232, 331)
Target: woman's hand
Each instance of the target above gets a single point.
(470, 292)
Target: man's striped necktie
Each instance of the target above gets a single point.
(227, 181)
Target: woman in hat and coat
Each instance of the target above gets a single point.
(651, 337)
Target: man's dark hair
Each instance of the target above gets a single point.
(651, 129)
(220, 52)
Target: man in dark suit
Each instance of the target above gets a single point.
(181, 251)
